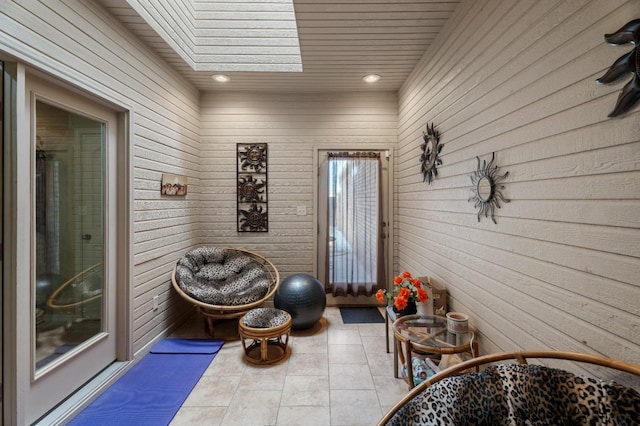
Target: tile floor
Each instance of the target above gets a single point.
(337, 374)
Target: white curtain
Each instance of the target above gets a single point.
(355, 258)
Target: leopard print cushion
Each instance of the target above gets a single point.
(217, 276)
(265, 318)
(515, 394)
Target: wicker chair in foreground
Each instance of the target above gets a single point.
(521, 393)
(224, 283)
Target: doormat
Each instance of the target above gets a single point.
(154, 389)
(361, 315)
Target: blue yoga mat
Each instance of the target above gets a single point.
(187, 346)
(153, 390)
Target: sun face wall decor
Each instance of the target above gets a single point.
(253, 156)
(486, 188)
(253, 219)
(252, 199)
(251, 189)
(625, 64)
(430, 159)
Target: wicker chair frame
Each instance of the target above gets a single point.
(521, 357)
(211, 313)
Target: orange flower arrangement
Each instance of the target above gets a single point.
(405, 289)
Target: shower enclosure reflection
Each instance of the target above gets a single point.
(69, 232)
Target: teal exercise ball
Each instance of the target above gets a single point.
(303, 297)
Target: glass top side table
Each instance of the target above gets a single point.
(428, 334)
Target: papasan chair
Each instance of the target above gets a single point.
(518, 393)
(224, 283)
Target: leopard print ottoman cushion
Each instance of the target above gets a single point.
(515, 394)
(265, 318)
(218, 276)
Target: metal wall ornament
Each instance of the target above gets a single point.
(430, 159)
(251, 189)
(625, 64)
(486, 188)
(254, 156)
(252, 198)
(253, 219)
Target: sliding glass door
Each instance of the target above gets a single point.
(71, 300)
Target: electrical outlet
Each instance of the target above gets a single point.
(301, 210)
(156, 302)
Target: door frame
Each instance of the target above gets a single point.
(387, 154)
(17, 265)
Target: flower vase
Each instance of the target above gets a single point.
(425, 308)
(410, 309)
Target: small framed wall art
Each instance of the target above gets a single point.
(173, 184)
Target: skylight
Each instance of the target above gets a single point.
(227, 35)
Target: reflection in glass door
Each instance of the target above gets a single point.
(69, 232)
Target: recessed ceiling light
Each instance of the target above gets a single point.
(221, 78)
(371, 78)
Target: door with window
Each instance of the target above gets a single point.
(71, 287)
(352, 221)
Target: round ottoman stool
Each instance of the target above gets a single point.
(269, 329)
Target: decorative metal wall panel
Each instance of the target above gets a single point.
(252, 198)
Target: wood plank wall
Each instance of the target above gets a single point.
(80, 43)
(292, 125)
(561, 269)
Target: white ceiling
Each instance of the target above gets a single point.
(274, 45)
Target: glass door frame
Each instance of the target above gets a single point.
(17, 220)
(2, 205)
(13, 80)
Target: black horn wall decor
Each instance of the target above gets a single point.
(625, 64)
